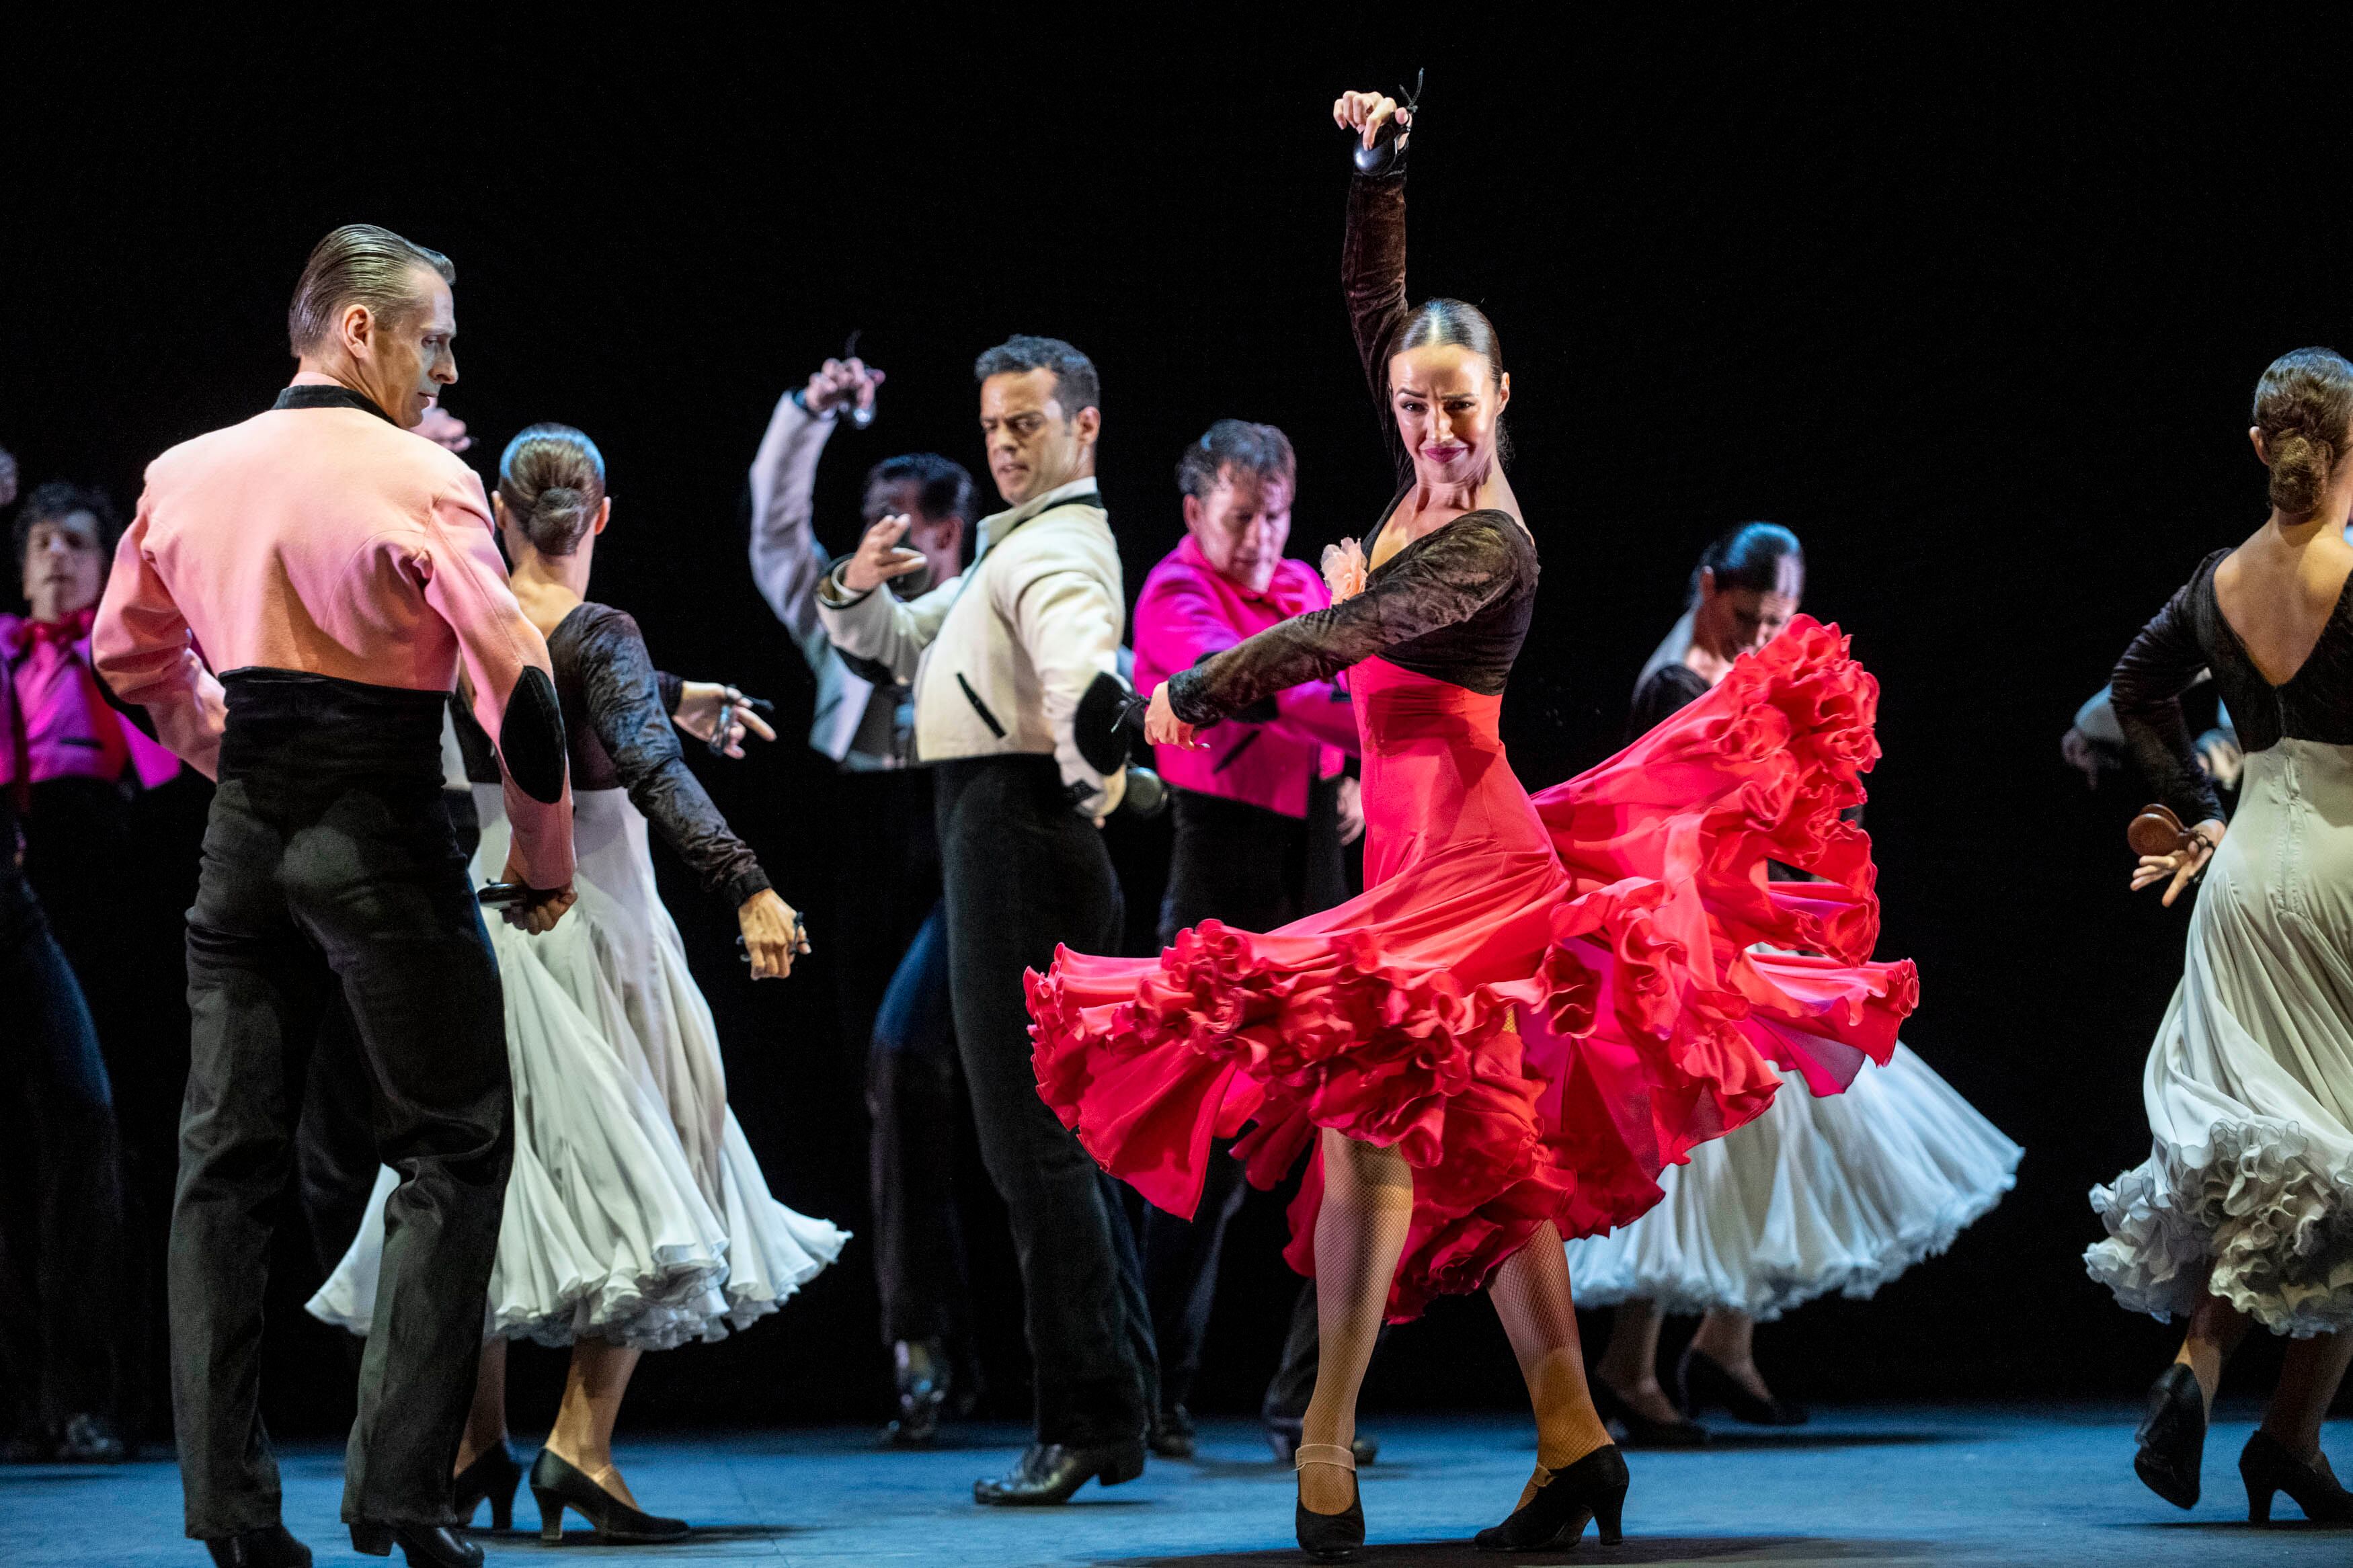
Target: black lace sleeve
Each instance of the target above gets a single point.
(2161, 664)
(1664, 692)
(672, 690)
(1441, 579)
(1372, 276)
(623, 701)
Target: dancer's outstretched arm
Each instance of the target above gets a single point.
(1445, 577)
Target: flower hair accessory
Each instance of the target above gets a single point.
(1344, 569)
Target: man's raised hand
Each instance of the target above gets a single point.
(841, 383)
(878, 558)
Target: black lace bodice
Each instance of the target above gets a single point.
(617, 725)
(1453, 605)
(2190, 634)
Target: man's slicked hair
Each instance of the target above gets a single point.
(358, 264)
(1076, 384)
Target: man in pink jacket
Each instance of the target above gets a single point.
(291, 605)
(1259, 814)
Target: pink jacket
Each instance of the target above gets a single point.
(328, 540)
(1187, 610)
(50, 701)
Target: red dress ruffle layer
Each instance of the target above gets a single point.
(1539, 1003)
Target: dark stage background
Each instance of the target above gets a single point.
(1974, 307)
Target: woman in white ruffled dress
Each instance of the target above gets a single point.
(636, 1216)
(1840, 1193)
(2242, 1212)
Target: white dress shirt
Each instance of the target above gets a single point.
(1001, 653)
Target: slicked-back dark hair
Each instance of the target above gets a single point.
(1749, 556)
(946, 485)
(357, 264)
(1247, 449)
(1076, 384)
(58, 499)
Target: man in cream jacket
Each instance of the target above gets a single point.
(1001, 656)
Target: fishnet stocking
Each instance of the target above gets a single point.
(1359, 1232)
(1532, 1297)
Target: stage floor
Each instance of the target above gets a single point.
(1898, 1485)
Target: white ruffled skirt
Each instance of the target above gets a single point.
(2249, 1182)
(1842, 1193)
(635, 1212)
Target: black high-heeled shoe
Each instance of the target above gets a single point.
(2172, 1436)
(1594, 1487)
(493, 1478)
(425, 1545)
(2267, 1465)
(1329, 1537)
(557, 1485)
(1642, 1432)
(1701, 1380)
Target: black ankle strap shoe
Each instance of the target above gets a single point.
(1328, 1537)
(1593, 1488)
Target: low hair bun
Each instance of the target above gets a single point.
(552, 477)
(2304, 407)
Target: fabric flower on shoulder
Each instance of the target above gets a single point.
(1344, 569)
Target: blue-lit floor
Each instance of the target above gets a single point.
(1981, 1486)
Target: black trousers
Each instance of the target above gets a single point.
(912, 1086)
(329, 871)
(1254, 869)
(61, 1226)
(1024, 872)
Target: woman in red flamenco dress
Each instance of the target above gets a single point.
(1538, 1004)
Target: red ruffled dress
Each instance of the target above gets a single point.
(1539, 1003)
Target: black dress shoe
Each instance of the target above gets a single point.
(926, 1383)
(2172, 1436)
(425, 1545)
(1049, 1473)
(269, 1547)
(2267, 1467)
(1594, 1487)
(1641, 1431)
(558, 1484)
(89, 1439)
(1700, 1381)
(492, 1477)
(1173, 1434)
(1329, 1537)
(1283, 1437)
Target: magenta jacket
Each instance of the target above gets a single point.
(1188, 611)
(54, 722)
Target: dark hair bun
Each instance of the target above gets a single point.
(2302, 406)
(552, 478)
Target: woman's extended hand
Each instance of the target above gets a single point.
(699, 704)
(2183, 865)
(772, 935)
(1161, 725)
(1367, 113)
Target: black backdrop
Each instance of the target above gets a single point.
(1974, 306)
